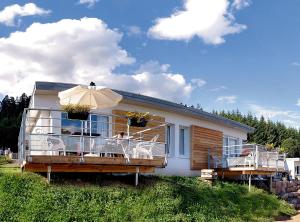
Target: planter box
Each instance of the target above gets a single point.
(78, 116)
(134, 122)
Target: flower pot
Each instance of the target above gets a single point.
(78, 116)
(137, 122)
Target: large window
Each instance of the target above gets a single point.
(231, 146)
(99, 125)
(102, 125)
(69, 126)
(183, 141)
(170, 140)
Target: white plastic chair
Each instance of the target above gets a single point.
(56, 144)
(249, 160)
(145, 148)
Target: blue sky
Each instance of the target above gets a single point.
(247, 59)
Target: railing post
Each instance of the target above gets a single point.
(256, 156)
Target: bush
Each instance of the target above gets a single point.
(4, 160)
(27, 197)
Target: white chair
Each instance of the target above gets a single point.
(249, 160)
(56, 145)
(145, 148)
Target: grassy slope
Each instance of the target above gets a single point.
(27, 197)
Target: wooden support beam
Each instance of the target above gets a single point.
(156, 162)
(234, 172)
(87, 168)
(249, 182)
(137, 176)
(49, 173)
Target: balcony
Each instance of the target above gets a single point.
(103, 143)
(248, 157)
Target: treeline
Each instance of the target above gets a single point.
(11, 110)
(269, 133)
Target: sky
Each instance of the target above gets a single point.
(221, 54)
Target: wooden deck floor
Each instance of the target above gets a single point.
(91, 164)
(236, 171)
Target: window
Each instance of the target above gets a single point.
(230, 146)
(69, 126)
(102, 125)
(170, 140)
(99, 125)
(183, 141)
(297, 170)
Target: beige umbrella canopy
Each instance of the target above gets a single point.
(97, 97)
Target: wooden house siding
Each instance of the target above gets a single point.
(120, 125)
(203, 139)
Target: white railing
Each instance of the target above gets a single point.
(42, 132)
(249, 155)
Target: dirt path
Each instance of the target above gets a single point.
(295, 218)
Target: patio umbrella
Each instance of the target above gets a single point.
(97, 97)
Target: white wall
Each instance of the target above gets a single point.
(177, 165)
(291, 163)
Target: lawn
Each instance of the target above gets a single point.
(6, 166)
(27, 197)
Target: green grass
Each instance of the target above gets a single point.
(27, 197)
(6, 166)
(3, 160)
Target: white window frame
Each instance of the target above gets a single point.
(170, 140)
(186, 141)
(227, 138)
(297, 170)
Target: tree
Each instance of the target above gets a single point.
(291, 147)
(269, 133)
(10, 119)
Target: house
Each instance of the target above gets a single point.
(293, 167)
(186, 139)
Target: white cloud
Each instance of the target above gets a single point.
(227, 99)
(153, 79)
(10, 13)
(290, 118)
(239, 4)
(89, 3)
(134, 30)
(198, 82)
(68, 50)
(298, 102)
(295, 64)
(219, 88)
(80, 51)
(208, 20)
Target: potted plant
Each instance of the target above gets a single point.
(137, 119)
(80, 112)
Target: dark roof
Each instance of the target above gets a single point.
(163, 104)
